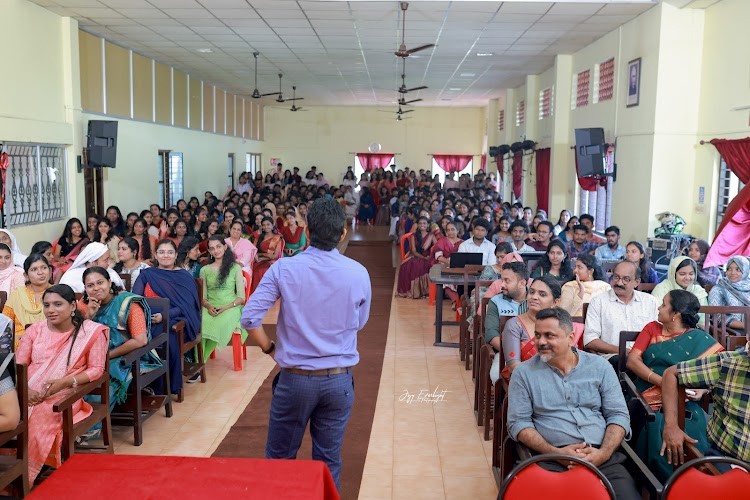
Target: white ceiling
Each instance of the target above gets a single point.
(341, 52)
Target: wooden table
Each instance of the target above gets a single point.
(440, 279)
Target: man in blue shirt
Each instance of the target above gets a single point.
(568, 401)
(325, 301)
(612, 250)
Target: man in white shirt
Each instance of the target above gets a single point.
(623, 308)
(518, 233)
(478, 243)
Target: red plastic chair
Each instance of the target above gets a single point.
(402, 245)
(530, 480)
(689, 482)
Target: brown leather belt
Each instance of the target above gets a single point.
(318, 373)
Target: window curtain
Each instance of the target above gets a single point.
(732, 237)
(517, 174)
(452, 163)
(500, 160)
(542, 178)
(483, 163)
(371, 161)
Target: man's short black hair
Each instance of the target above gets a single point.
(479, 222)
(548, 224)
(581, 227)
(518, 223)
(326, 221)
(588, 217)
(520, 269)
(561, 315)
(612, 229)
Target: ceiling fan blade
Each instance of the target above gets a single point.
(420, 48)
(422, 87)
(407, 111)
(295, 99)
(406, 103)
(270, 93)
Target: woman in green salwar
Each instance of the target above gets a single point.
(223, 297)
(671, 339)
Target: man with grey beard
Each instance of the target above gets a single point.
(568, 401)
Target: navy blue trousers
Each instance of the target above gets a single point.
(323, 401)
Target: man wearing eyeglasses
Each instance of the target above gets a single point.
(623, 308)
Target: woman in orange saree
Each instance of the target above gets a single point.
(270, 246)
(62, 352)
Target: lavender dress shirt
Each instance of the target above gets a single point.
(325, 301)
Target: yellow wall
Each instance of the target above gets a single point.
(325, 136)
(204, 161)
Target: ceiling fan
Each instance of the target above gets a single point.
(256, 93)
(402, 50)
(295, 98)
(403, 89)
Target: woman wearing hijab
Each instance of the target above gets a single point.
(682, 275)
(10, 240)
(11, 276)
(93, 254)
(698, 250)
(734, 290)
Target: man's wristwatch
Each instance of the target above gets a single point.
(271, 348)
(75, 382)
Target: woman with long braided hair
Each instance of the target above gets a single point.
(62, 352)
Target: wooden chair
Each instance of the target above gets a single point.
(189, 369)
(100, 413)
(646, 287)
(139, 406)
(717, 325)
(127, 280)
(640, 411)
(734, 342)
(464, 344)
(14, 469)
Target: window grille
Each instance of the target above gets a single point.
(604, 81)
(35, 186)
(520, 113)
(580, 97)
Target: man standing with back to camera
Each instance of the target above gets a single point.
(325, 301)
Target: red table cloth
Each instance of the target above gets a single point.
(145, 477)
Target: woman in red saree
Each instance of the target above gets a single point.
(413, 280)
(442, 250)
(295, 237)
(270, 246)
(62, 352)
(67, 247)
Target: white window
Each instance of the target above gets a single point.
(252, 163)
(170, 177)
(436, 170)
(729, 187)
(35, 187)
(604, 81)
(546, 102)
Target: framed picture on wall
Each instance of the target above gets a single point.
(634, 83)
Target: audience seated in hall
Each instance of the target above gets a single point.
(682, 275)
(413, 281)
(623, 308)
(61, 352)
(478, 244)
(611, 250)
(557, 390)
(672, 338)
(7, 238)
(635, 253)
(589, 282)
(168, 281)
(734, 290)
(223, 297)
(11, 276)
(24, 304)
(94, 254)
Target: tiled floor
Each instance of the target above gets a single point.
(417, 450)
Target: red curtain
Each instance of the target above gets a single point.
(452, 163)
(517, 174)
(542, 178)
(371, 161)
(733, 238)
(500, 160)
(483, 163)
